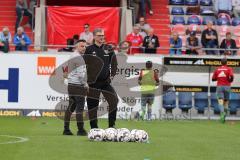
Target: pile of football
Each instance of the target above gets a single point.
(118, 135)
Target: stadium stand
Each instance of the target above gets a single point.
(8, 18)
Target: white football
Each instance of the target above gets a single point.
(96, 134)
(133, 135)
(110, 134)
(123, 135)
(141, 136)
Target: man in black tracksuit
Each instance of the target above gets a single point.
(102, 84)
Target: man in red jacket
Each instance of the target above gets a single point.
(224, 77)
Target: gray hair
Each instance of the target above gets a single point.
(20, 28)
(97, 30)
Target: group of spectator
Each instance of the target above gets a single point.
(209, 41)
(227, 6)
(142, 38)
(20, 40)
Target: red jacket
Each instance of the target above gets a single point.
(223, 75)
(136, 41)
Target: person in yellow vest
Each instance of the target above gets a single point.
(148, 80)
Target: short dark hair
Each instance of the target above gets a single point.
(76, 36)
(149, 64)
(224, 61)
(87, 24)
(81, 40)
(96, 30)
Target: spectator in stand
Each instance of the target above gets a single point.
(143, 7)
(22, 10)
(151, 42)
(236, 8)
(136, 40)
(75, 38)
(5, 39)
(87, 35)
(175, 44)
(193, 44)
(210, 39)
(144, 27)
(228, 43)
(223, 6)
(136, 5)
(69, 48)
(21, 40)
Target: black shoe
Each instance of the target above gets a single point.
(112, 126)
(82, 132)
(67, 132)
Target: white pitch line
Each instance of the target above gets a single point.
(20, 139)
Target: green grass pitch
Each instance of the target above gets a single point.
(169, 140)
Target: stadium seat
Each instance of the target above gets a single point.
(177, 11)
(223, 21)
(206, 2)
(191, 2)
(179, 28)
(222, 30)
(207, 19)
(207, 11)
(237, 42)
(178, 20)
(214, 103)
(201, 101)
(184, 41)
(177, 2)
(234, 102)
(194, 27)
(194, 20)
(236, 22)
(185, 100)
(236, 31)
(169, 101)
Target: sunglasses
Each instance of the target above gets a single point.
(100, 35)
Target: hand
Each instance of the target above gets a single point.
(65, 74)
(86, 87)
(150, 45)
(1, 44)
(23, 42)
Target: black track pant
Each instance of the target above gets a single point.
(93, 101)
(76, 102)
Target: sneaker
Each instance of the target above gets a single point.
(82, 132)
(67, 132)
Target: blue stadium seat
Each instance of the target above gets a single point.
(207, 11)
(177, 2)
(185, 100)
(169, 100)
(177, 11)
(191, 2)
(207, 19)
(193, 20)
(214, 103)
(234, 102)
(201, 101)
(236, 21)
(178, 20)
(206, 2)
(223, 21)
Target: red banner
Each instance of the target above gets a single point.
(64, 22)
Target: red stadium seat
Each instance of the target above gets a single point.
(236, 31)
(222, 30)
(179, 28)
(237, 42)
